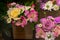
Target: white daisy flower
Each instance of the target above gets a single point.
(55, 7)
(39, 25)
(49, 36)
(48, 5)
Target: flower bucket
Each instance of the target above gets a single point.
(22, 33)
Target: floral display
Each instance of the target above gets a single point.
(19, 15)
(48, 28)
(50, 5)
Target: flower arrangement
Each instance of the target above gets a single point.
(50, 5)
(19, 15)
(48, 27)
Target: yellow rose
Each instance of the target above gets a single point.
(13, 12)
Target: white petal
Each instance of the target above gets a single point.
(9, 20)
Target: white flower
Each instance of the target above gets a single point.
(39, 25)
(27, 7)
(49, 36)
(9, 20)
(48, 5)
(55, 7)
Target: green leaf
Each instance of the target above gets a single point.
(32, 25)
(26, 3)
(29, 3)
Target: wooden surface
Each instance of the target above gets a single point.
(22, 33)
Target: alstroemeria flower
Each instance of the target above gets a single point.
(58, 2)
(47, 24)
(39, 32)
(32, 16)
(21, 22)
(56, 31)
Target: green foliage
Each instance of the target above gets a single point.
(33, 25)
(29, 3)
(3, 10)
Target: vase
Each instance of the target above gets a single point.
(22, 33)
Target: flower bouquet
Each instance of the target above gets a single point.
(20, 16)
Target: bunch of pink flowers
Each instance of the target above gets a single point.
(48, 27)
